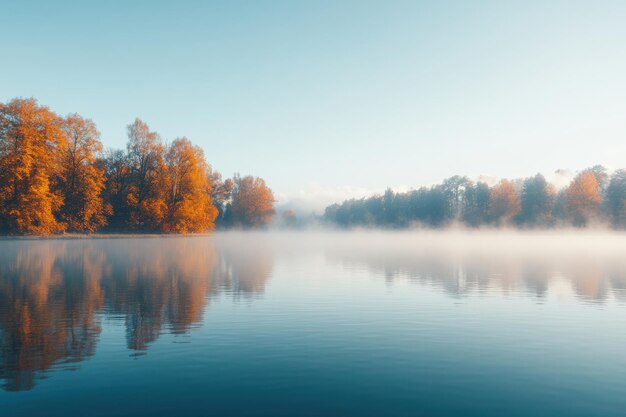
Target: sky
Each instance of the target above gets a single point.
(328, 100)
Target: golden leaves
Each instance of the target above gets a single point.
(53, 179)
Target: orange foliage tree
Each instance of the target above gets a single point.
(82, 180)
(188, 199)
(31, 142)
(583, 198)
(53, 178)
(504, 203)
(252, 202)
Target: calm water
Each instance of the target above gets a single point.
(364, 324)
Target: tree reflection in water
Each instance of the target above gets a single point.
(591, 266)
(53, 294)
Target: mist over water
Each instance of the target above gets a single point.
(324, 323)
(589, 266)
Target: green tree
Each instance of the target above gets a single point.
(476, 204)
(537, 201)
(616, 198)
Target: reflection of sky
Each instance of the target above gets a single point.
(329, 330)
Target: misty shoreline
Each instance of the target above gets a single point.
(86, 236)
(310, 232)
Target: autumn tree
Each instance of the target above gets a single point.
(31, 142)
(252, 202)
(188, 199)
(583, 198)
(537, 200)
(145, 197)
(504, 204)
(153, 187)
(82, 179)
(602, 177)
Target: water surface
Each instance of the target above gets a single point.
(284, 324)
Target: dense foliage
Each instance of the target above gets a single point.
(592, 197)
(54, 177)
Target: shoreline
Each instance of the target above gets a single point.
(80, 236)
(316, 231)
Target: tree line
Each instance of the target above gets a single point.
(56, 177)
(593, 197)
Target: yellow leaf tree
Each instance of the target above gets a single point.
(189, 204)
(253, 202)
(31, 143)
(504, 203)
(82, 180)
(583, 198)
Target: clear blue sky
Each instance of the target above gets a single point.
(332, 98)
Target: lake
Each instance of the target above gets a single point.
(315, 323)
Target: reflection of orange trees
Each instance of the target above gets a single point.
(589, 279)
(244, 268)
(159, 282)
(48, 297)
(51, 292)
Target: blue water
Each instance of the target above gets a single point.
(311, 324)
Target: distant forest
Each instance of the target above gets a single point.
(55, 177)
(592, 198)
